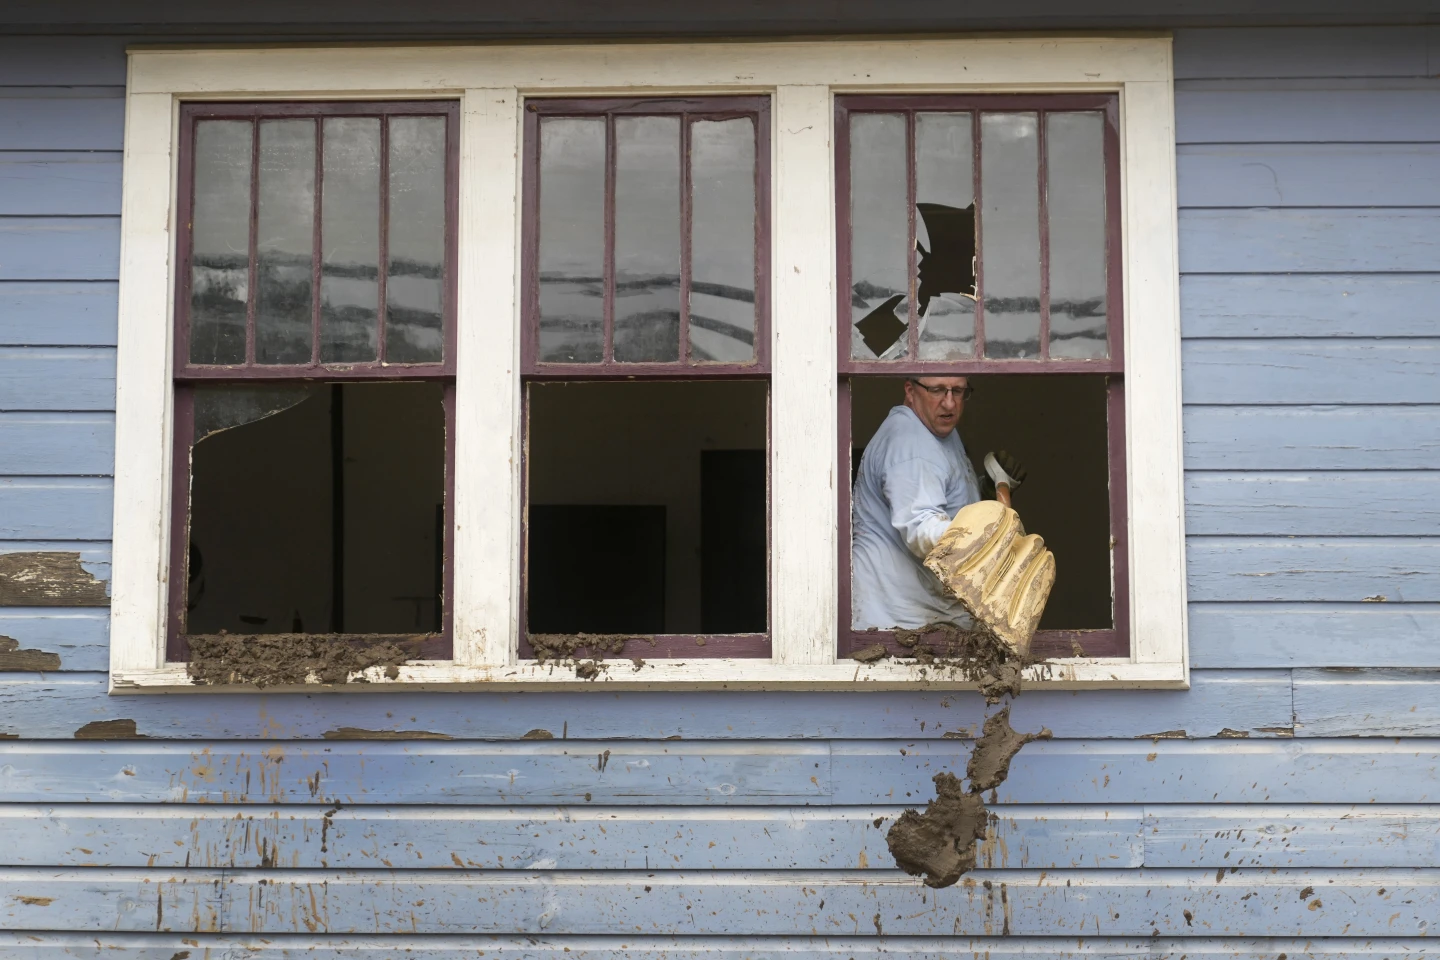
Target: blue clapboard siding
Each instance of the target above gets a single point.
(1255, 702)
(1276, 799)
(75, 313)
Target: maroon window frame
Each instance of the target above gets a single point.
(1109, 642)
(533, 370)
(188, 375)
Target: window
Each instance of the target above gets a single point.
(626, 399)
(978, 237)
(314, 373)
(646, 363)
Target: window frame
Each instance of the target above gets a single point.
(1113, 641)
(802, 78)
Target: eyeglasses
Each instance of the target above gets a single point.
(959, 393)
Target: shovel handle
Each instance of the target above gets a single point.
(1002, 493)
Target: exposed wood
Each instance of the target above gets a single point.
(12, 658)
(1310, 175)
(1311, 371)
(58, 444)
(59, 184)
(48, 579)
(1314, 836)
(1253, 635)
(569, 838)
(1020, 902)
(1309, 305)
(1307, 111)
(108, 730)
(59, 248)
(72, 508)
(78, 636)
(1351, 569)
(1359, 503)
(1250, 700)
(67, 378)
(1367, 703)
(1371, 438)
(74, 313)
(1310, 241)
(716, 773)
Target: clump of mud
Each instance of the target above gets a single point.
(939, 844)
(585, 652)
(288, 658)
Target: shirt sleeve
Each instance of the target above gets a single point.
(915, 489)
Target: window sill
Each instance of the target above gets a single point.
(700, 674)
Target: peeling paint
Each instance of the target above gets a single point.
(360, 733)
(49, 579)
(12, 658)
(109, 730)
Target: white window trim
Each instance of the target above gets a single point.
(803, 78)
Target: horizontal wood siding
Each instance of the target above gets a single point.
(1286, 804)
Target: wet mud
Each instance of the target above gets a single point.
(939, 844)
(583, 652)
(289, 658)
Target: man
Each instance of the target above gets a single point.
(914, 477)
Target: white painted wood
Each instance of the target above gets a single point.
(803, 496)
(1152, 376)
(802, 77)
(487, 409)
(143, 397)
(1014, 63)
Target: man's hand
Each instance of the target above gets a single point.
(1013, 468)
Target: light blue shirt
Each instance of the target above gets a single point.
(911, 483)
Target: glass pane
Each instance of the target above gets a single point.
(647, 239)
(1075, 198)
(285, 241)
(945, 234)
(220, 241)
(415, 274)
(350, 240)
(879, 235)
(572, 239)
(722, 240)
(1010, 233)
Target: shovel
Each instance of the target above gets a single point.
(1000, 574)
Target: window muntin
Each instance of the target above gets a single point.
(1027, 186)
(647, 236)
(316, 248)
(316, 239)
(979, 229)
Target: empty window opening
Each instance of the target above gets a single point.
(647, 508)
(1057, 426)
(316, 508)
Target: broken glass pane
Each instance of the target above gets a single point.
(572, 239)
(350, 240)
(1010, 233)
(284, 242)
(220, 241)
(220, 408)
(879, 235)
(722, 240)
(415, 275)
(1075, 198)
(647, 239)
(945, 234)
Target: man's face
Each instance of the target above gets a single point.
(937, 401)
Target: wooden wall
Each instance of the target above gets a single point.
(1287, 805)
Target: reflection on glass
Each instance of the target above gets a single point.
(1075, 201)
(350, 240)
(722, 240)
(285, 241)
(1010, 234)
(220, 241)
(647, 239)
(572, 239)
(415, 274)
(944, 183)
(879, 235)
